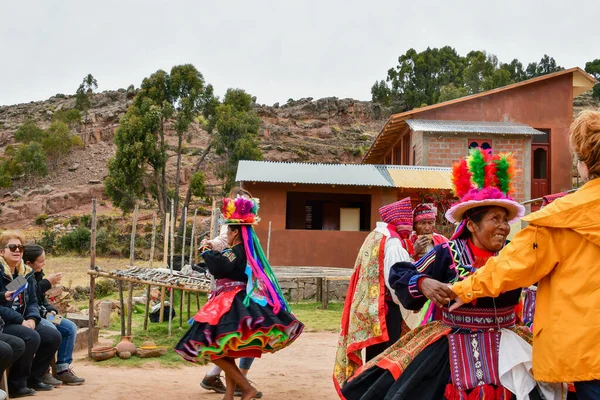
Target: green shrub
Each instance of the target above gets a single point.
(77, 240)
(104, 287)
(48, 241)
(86, 220)
(41, 219)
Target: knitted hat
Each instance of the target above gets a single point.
(483, 179)
(424, 212)
(240, 211)
(398, 214)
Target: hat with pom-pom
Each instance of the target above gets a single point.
(240, 211)
(483, 179)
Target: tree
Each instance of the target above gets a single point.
(198, 184)
(236, 134)
(593, 68)
(451, 92)
(83, 101)
(29, 132)
(380, 93)
(31, 160)
(58, 142)
(71, 118)
(139, 166)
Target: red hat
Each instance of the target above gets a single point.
(398, 214)
(424, 212)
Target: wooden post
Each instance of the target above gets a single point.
(198, 300)
(319, 289)
(181, 299)
(172, 254)
(152, 244)
(92, 281)
(189, 303)
(122, 304)
(269, 243)
(147, 308)
(131, 262)
(325, 294)
(212, 219)
(132, 241)
(163, 291)
(192, 239)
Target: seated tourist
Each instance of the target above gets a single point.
(22, 318)
(35, 257)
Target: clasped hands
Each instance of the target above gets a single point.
(440, 293)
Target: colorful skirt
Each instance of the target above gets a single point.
(452, 359)
(226, 327)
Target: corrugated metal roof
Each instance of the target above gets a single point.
(506, 128)
(326, 174)
(404, 176)
(421, 178)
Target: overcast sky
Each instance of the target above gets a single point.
(275, 50)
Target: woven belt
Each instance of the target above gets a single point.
(480, 318)
(225, 285)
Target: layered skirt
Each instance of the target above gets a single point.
(453, 359)
(226, 327)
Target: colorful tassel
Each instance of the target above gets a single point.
(461, 178)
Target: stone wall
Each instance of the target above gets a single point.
(307, 289)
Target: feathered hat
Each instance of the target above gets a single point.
(240, 211)
(483, 179)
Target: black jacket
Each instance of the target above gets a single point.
(42, 286)
(28, 308)
(231, 263)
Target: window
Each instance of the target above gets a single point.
(545, 138)
(328, 211)
(485, 144)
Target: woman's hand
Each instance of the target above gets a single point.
(7, 295)
(55, 278)
(421, 245)
(30, 323)
(436, 291)
(457, 304)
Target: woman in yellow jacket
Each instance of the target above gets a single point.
(560, 249)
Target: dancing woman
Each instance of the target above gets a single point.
(248, 316)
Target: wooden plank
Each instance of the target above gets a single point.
(92, 281)
(153, 243)
(147, 306)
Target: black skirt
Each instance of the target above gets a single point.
(241, 331)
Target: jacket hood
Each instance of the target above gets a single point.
(578, 211)
(22, 269)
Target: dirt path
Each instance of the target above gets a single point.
(302, 371)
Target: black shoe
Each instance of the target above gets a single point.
(41, 386)
(21, 392)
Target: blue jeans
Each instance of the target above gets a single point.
(588, 390)
(245, 363)
(68, 331)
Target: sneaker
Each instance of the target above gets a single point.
(48, 379)
(213, 383)
(68, 377)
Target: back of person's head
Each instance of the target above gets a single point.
(585, 140)
(238, 191)
(6, 236)
(31, 252)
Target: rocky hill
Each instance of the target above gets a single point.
(324, 130)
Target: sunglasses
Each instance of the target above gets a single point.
(15, 247)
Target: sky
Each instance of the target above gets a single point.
(275, 50)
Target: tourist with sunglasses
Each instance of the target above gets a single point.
(21, 315)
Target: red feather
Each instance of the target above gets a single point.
(461, 178)
(491, 180)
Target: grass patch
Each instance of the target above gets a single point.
(317, 320)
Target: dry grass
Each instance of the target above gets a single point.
(75, 268)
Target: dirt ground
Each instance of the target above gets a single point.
(302, 371)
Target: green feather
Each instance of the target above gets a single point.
(476, 161)
(502, 166)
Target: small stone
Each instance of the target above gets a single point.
(74, 167)
(94, 182)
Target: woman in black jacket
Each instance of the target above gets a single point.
(22, 318)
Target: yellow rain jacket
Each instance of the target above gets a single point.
(560, 249)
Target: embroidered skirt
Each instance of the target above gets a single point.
(225, 327)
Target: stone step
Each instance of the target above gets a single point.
(81, 320)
